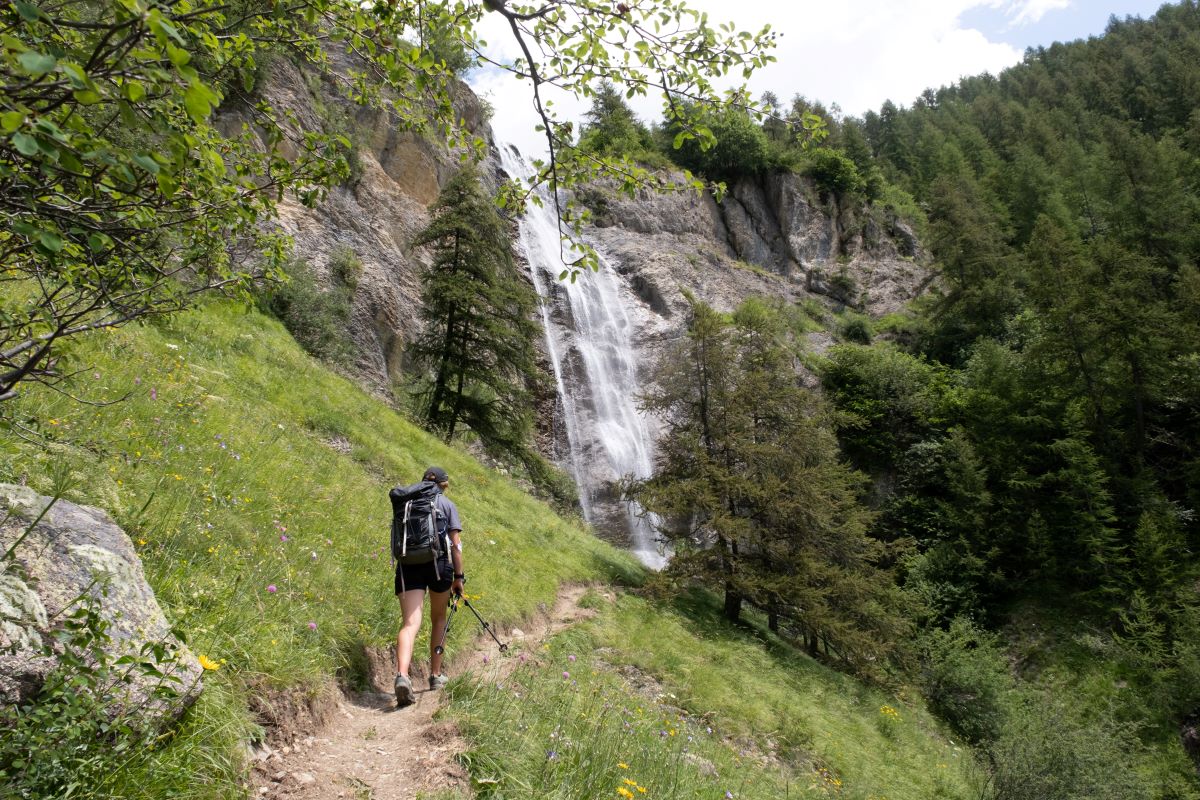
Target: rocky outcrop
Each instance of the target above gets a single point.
(72, 555)
(774, 234)
(398, 174)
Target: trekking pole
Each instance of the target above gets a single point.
(446, 632)
(486, 626)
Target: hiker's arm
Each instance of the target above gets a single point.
(456, 557)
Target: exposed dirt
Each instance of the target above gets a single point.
(370, 750)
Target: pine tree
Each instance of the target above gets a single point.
(475, 356)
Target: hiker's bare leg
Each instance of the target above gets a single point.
(438, 605)
(410, 611)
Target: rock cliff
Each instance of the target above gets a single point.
(774, 235)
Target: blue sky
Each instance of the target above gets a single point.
(855, 53)
(1078, 20)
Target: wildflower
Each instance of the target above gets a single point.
(153, 393)
(728, 795)
(283, 537)
(621, 790)
(312, 626)
(641, 789)
(628, 782)
(566, 674)
(551, 755)
(623, 765)
(314, 555)
(271, 588)
(523, 658)
(208, 663)
(571, 658)
(486, 659)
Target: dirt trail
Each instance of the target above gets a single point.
(370, 750)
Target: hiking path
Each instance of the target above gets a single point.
(371, 750)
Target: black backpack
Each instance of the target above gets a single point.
(417, 525)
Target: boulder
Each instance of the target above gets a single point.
(74, 553)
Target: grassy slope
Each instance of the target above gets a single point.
(220, 466)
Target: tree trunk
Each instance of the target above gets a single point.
(733, 603)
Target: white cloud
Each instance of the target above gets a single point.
(857, 53)
(1027, 12)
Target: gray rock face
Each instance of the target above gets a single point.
(376, 216)
(74, 551)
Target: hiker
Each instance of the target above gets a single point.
(440, 575)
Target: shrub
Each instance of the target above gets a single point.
(316, 317)
(832, 171)
(965, 677)
(1046, 753)
(79, 727)
(739, 150)
(856, 328)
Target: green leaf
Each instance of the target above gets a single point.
(178, 55)
(196, 101)
(11, 120)
(37, 63)
(51, 241)
(26, 145)
(28, 11)
(147, 163)
(134, 91)
(87, 97)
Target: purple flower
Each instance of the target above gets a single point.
(551, 755)
(153, 393)
(283, 537)
(571, 658)
(662, 733)
(271, 588)
(523, 658)
(486, 659)
(728, 795)
(312, 626)
(566, 674)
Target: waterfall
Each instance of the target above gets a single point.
(589, 340)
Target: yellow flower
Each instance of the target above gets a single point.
(623, 765)
(621, 790)
(208, 663)
(642, 789)
(628, 782)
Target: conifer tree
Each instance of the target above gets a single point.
(475, 355)
(753, 493)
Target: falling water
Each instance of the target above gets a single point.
(595, 371)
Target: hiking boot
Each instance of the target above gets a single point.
(404, 692)
(437, 682)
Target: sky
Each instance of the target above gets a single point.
(855, 53)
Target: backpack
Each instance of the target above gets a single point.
(417, 525)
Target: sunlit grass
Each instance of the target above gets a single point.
(757, 719)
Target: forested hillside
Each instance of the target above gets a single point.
(1030, 429)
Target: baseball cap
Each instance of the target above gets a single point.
(436, 474)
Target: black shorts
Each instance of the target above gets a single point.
(410, 577)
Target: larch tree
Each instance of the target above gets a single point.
(475, 355)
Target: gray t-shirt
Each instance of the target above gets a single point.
(448, 511)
